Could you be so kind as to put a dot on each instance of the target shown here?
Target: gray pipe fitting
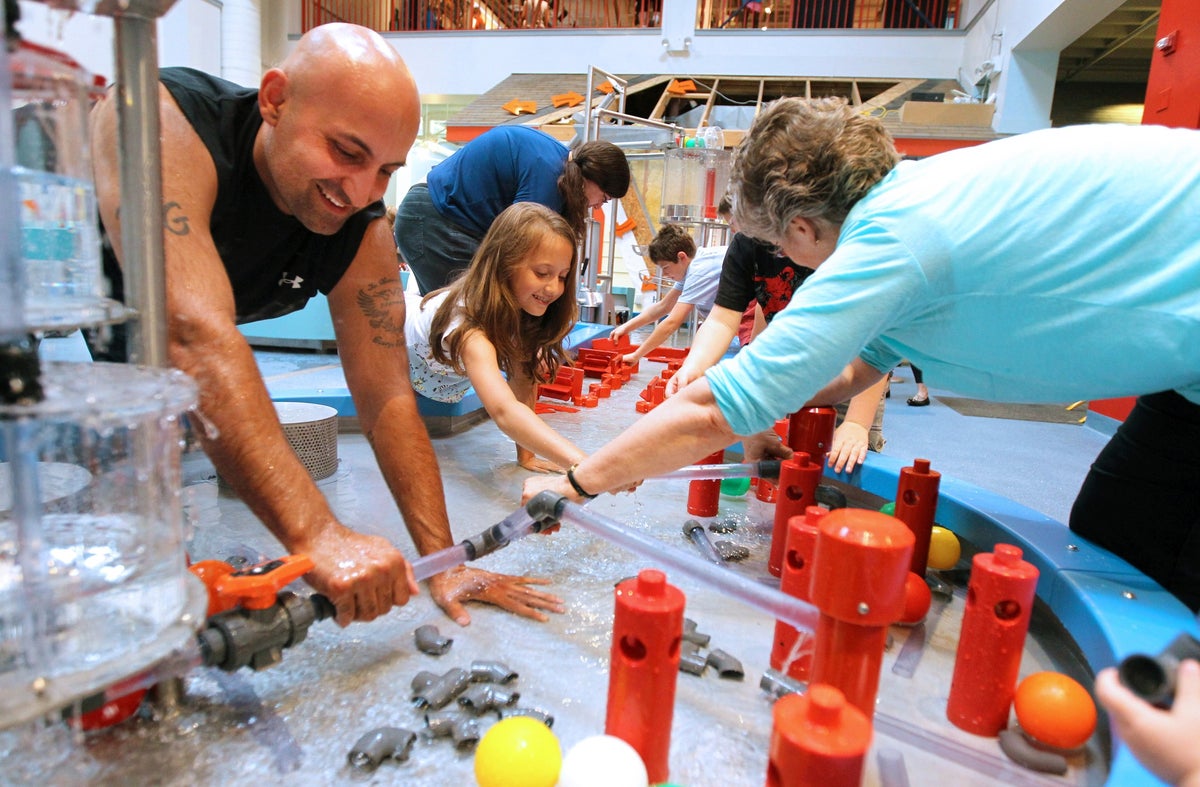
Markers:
(726, 666)
(377, 745)
(482, 697)
(491, 672)
(430, 640)
(442, 690)
(545, 717)
(690, 634)
(692, 662)
(422, 680)
(453, 724)
(777, 684)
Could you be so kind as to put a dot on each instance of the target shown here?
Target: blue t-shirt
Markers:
(500, 167)
(1056, 265)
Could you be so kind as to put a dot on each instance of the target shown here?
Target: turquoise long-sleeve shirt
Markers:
(1056, 265)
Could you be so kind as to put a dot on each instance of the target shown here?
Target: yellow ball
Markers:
(944, 549)
(518, 752)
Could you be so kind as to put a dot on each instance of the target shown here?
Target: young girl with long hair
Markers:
(500, 327)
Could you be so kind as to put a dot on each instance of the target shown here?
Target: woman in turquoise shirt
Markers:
(1052, 266)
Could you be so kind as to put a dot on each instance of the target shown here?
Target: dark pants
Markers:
(435, 249)
(1141, 499)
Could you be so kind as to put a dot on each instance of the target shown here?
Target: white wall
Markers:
(1023, 38)
(469, 63)
(473, 62)
(188, 35)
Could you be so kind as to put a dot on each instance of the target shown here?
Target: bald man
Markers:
(269, 196)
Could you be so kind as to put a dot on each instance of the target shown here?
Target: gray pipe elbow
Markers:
(422, 680)
(430, 640)
(777, 684)
(726, 665)
(482, 697)
(545, 717)
(454, 724)
(442, 690)
(377, 745)
(491, 672)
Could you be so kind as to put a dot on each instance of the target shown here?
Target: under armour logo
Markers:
(294, 282)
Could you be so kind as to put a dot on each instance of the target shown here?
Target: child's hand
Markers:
(1162, 740)
(630, 359)
(850, 446)
(538, 465)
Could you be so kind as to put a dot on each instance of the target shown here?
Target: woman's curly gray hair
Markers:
(813, 158)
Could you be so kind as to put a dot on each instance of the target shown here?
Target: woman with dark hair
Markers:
(440, 223)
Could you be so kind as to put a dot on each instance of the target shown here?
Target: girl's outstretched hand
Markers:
(452, 588)
(537, 465)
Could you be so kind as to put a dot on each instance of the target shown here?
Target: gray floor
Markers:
(297, 720)
(1040, 465)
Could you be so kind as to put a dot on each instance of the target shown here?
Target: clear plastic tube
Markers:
(764, 469)
(776, 603)
(516, 525)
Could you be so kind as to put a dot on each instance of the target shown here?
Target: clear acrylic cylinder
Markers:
(94, 584)
(694, 180)
(60, 239)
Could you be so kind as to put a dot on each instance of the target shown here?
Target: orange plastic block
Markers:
(567, 385)
(667, 354)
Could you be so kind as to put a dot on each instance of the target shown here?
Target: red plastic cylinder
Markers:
(995, 622)
(916, 504)
(647, 631)
(704, 497)
(791, 653)
(811, 430)
(798, 481)
(764, 490)
(817, 740)
(859, 569)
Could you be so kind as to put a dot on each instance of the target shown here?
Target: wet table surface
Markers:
(297, 720)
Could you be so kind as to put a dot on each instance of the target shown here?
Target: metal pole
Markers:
(141, 186)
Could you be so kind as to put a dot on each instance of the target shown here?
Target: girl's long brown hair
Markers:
(484, 298)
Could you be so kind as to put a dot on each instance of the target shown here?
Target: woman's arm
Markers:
(508, 403)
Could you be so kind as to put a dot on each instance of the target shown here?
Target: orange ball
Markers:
(1055, 710)
(917, 599)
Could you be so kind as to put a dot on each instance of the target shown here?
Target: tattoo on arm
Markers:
(382, 303)
(176, 224)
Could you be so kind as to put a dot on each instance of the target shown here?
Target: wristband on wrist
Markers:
(575, 484)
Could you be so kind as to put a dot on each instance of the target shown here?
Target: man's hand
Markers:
(364, 576)
(849, 446)
(451, 588)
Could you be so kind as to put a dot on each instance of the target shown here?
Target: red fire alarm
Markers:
(1166, 44)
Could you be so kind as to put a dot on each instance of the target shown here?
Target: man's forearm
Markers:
(409, 464)
(247, 446)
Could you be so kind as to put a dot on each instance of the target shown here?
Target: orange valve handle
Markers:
(256, 587)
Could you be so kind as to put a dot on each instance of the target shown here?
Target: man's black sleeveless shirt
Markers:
(274, 263)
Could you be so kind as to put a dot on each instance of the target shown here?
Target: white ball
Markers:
(603, 761)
